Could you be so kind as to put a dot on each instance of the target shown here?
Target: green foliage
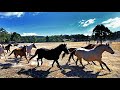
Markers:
(15, 37)
(99, 32)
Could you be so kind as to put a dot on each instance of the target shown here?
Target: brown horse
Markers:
(7, 47)
(90, 46)
(20, 51)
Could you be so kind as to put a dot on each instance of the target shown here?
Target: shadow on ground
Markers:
(13, 60)
(77, 71)
(35, 73)
(5, 66)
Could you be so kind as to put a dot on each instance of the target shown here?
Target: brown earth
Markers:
(9, 68)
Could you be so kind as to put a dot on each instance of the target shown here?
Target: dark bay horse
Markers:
(20, 51)
(90, 46)
(7, 47)
(50, 54)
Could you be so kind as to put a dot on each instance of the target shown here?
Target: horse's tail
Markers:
(12, 52)
(36, 52)
(71, 55)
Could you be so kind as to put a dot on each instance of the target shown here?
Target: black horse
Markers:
(7, 47)
(52, 54)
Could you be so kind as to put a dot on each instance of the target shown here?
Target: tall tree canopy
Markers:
(100, 32)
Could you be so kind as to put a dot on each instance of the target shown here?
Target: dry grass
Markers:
(10, 69)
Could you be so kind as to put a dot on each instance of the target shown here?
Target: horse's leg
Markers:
(37, 62)
(58, 65)
(89, 63)
(106, 66)
(93, 63)
(68, 60)
(41, 61)
(9, 50)
(76, 61)
(26, 58)
(101, 65)
(81, 62)
(53, 63)
(5, 56)
(30, 53)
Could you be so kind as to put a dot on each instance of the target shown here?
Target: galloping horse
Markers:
(94, 54)
(90, 46)
(7, 47)
(52, 54)
(20, 51)
(29, 48)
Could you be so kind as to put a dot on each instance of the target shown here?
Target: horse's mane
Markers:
(57, 47)
(99, 45)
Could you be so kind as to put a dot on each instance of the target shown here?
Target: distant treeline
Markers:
(6, 37)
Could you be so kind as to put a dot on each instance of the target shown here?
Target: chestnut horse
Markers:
(20, 51)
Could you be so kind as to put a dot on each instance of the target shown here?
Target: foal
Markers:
(50, 54)
(7, 47)
(20, 51)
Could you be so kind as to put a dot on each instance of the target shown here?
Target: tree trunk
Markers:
(100, 40)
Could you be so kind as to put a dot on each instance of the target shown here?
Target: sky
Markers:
(57, 23)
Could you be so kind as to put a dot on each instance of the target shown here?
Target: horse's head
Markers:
(109, 49)
(10, 44)
(33, 45)
(64, 48)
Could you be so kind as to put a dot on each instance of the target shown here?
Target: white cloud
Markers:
(86, 23)
(112, 22)
(8, 14)
(37, 13)
(29, 34)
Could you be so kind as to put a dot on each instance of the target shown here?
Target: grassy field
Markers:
(9, 68)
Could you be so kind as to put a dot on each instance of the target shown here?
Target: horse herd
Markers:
(89, 53)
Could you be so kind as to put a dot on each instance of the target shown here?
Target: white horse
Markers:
(94, 54)
(2, 51)
(29, 48)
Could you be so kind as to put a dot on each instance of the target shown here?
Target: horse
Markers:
(2, 51)
(29, 48)
(20, 51)
(15, 44)
(90, 46)
(7, 47)
(94, 54)
(50, 54)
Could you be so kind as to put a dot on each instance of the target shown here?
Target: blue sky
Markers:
(57, 23)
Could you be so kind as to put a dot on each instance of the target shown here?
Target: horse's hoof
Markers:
(83, 67)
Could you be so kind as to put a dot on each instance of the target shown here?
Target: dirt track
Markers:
(9, 68)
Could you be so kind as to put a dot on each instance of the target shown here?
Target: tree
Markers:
(15, 37)
(47, 39)
(4, 36)
(101, 32)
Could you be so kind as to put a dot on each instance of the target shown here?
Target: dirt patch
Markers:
(10, 68)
